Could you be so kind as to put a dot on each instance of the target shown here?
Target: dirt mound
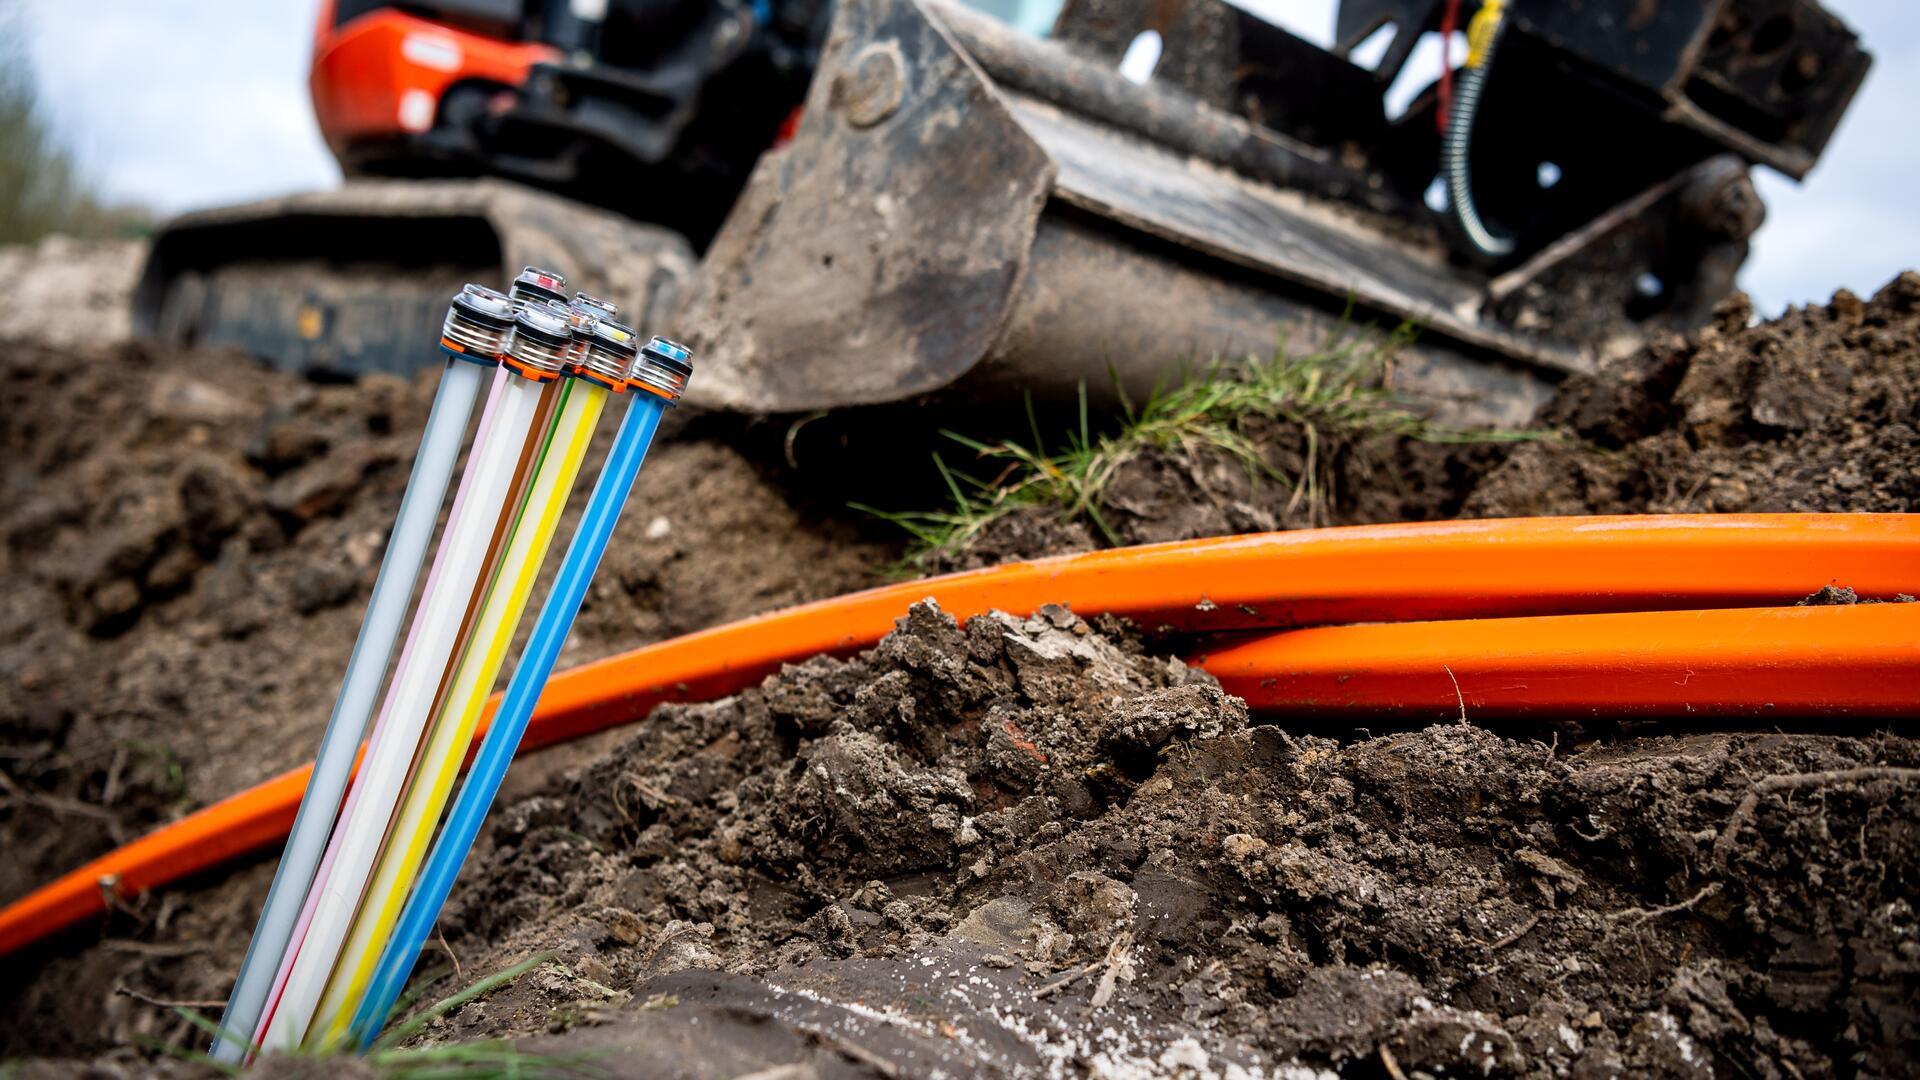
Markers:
(1031, 847)
(189, 540)
(1817, 410)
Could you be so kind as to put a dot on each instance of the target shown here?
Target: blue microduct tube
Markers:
(477, 324)
(659, 376)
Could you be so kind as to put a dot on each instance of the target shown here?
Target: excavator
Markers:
(861, 202)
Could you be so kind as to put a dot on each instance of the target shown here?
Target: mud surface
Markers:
(189, 541)
(1030, 848)
(1818, 410)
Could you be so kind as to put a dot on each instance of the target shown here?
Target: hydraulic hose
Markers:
(496, 752)
(1375, 573)
(1456, 144)
(1757, 662)
(478, 316)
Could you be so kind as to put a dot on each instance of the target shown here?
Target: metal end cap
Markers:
(489, 307)
(671, 353)
(594, 306)
(535, 285)
(478, 322)
(617, 336)
(663, 367)
(542, 334)
(610, 352)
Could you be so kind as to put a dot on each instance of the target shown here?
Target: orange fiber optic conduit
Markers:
(1785, 661)
(1465, 570)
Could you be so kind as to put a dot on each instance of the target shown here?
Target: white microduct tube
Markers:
(408, 706)
(433, 467)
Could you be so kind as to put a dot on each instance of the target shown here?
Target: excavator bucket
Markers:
(966, 210)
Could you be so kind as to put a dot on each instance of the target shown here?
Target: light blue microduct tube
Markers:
(658, 377)
(476, 323)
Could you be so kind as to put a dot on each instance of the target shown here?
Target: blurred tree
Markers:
(42, 189)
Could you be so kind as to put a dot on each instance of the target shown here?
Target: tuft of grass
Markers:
(163, 763)
(445, 1005)
(1332, 395)
(480, 1060)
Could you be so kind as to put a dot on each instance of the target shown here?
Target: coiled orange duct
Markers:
(1497, 571)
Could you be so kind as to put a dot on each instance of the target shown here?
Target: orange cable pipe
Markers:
(1770, 662)
(1371, 573)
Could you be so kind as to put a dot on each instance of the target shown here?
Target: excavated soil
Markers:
(1815, 411)
(1029, 847)
(189, 544)
(1033, 847)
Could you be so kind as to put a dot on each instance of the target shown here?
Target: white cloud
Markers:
(185, 103)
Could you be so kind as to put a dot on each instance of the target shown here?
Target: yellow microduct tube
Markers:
(453, 728)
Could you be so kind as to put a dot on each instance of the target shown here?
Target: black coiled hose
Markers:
(1454, 152)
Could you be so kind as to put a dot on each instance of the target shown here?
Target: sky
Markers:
(181, 104)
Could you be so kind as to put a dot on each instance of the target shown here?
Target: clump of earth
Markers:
(1032, 847)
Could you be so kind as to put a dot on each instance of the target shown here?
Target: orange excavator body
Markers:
(381, 75)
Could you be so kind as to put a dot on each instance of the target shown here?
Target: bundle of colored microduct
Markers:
(335, 900)
(657, 381)
(474, 336)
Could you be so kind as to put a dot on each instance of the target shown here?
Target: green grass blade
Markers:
(402, 1032)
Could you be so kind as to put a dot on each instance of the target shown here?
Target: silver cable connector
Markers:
(541, 341)
(479, 321)
(662, 367)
